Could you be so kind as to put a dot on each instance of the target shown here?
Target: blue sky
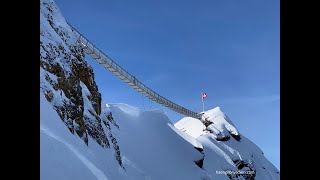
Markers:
(228, 49)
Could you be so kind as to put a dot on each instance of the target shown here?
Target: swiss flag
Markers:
(204, 95)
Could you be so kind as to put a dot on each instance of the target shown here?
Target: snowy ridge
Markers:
(151, 148)
(148, 140)
(191, 126)
(187, 137)
(233, 153)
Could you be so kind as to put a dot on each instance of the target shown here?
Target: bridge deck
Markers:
(122, 74)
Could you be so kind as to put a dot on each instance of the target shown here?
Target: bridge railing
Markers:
(125, 76)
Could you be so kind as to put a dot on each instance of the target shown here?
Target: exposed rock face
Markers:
(199, 163)
(67, 80)
(106, 118)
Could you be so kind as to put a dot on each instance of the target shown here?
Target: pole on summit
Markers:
(203, 96)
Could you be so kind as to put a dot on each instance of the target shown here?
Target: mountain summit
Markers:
(236, 155)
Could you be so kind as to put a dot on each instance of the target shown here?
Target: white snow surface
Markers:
(220, 154)
(151, 148)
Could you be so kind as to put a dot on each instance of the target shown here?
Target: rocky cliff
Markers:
(67, 81)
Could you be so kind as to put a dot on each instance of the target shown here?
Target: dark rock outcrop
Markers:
(106, 118)
(199, 149)
(67, 80)
(235, 136)
(223, 138)
(199, 162)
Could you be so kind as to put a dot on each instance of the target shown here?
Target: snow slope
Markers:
(150, 149)
(224, 155)
(65, 156)
(147, 138)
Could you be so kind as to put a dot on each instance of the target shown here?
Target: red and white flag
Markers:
(204, 95)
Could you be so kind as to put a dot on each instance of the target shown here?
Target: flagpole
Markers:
(202, 102)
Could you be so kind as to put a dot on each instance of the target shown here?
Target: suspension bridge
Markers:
(129, 79)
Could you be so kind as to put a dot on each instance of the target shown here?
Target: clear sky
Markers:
(229, 49)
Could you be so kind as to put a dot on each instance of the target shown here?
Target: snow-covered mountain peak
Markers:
(222, 143)
(221, 124)
(213, 121)
(138, 115)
